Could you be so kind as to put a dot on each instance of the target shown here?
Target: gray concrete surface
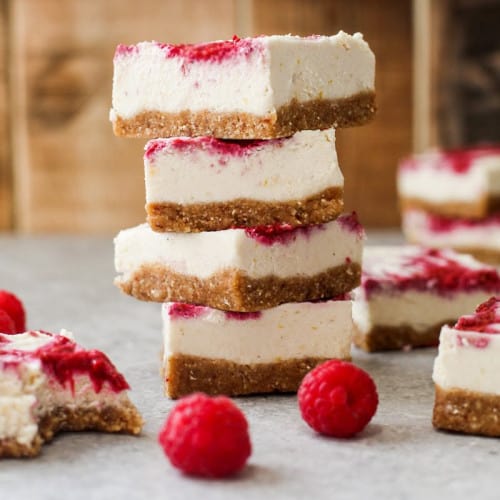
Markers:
(67, 283)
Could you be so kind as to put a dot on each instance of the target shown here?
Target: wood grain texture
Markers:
(422, 74)
(5, 165)
(434, 41)
(367, 155)
(72, 174)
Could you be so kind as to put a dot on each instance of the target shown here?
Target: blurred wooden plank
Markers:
(431, 29)
(243, 17)
(422, 76)
(368, 155)
(5, 165)
(72, 174)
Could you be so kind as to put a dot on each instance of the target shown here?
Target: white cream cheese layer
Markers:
(441, 186)
(18, 400)
(19, 386)
(428, 180)
(280, 69)
(420, 310)
(16, 418)
(379, 301)
(319, 67)
(310, 252)
(289, 331)
(278, 170)
(418, 229)
(461, 364)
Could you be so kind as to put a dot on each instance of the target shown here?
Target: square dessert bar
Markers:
(207, 184)
(478, 237)
(251, 88)
(459, 183)
(48, 384)
(467, 373)
(241, 269)
(407, 293)
(222, 352)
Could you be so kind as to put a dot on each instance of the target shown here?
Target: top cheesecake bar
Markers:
(457, 183)
(249, 88)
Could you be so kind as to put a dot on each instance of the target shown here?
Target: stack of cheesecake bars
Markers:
(245, 243)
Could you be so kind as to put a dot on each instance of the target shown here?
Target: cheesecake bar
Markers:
(250, 88)
(407, 293)
(223, 352)
(48, 384)
(460, 183)
(467, 373)
(241, 269)
(206, 184)
(478, 237)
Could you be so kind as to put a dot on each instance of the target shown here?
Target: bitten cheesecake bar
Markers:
(241, 269)
(460, 183)
(467, 373)
(251, 88)
(222, 352)
(48, 384)
(478, 237)
(207, 184)
(408, 293)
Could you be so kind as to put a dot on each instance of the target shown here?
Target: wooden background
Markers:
(61, 168)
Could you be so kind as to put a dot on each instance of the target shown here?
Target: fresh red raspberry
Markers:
(206, 436)
(337, 399)
(6, 323)
(14, 308)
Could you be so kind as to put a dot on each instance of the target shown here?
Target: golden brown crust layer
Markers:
(312, 115)
(465, 411)
(231, 290)
(10, 448)
(480, 208)
(196, 217)
(473, 210)
(386, 338)
(187, 374)
(123, 418)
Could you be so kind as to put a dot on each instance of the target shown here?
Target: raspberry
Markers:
(206, 436)
(6, 323)
(337, 399)
(14, 308)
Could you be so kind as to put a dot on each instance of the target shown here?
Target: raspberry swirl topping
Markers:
(211, 52)
(458, 161)
(210, 145)
(486, 318)
(63, 359)
(427, 270)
